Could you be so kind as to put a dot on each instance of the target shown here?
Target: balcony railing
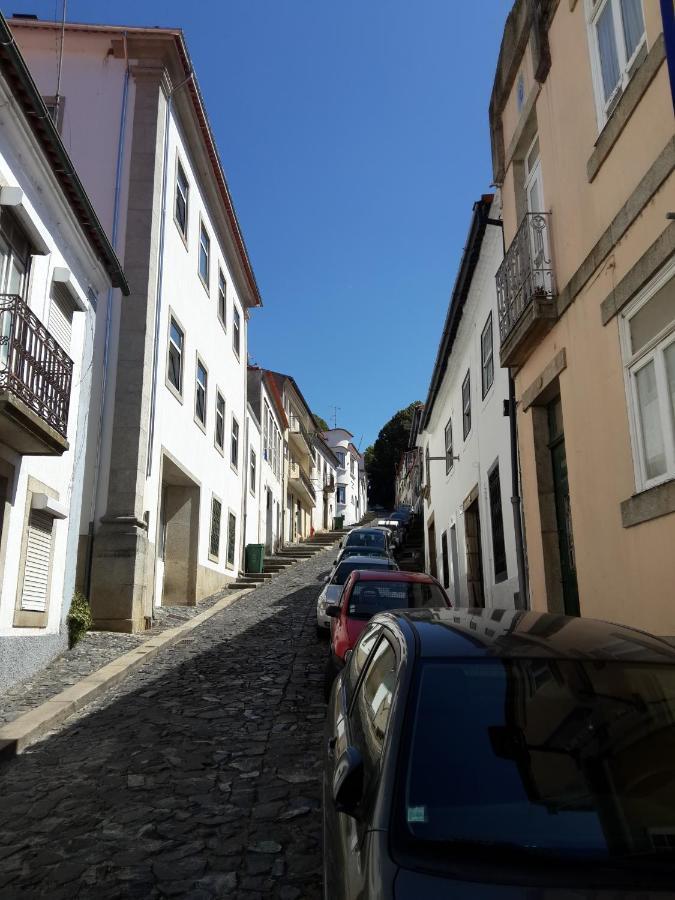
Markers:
(297, 474)
(33, 367)
(296, 426)
(329, 485)
(526, 277)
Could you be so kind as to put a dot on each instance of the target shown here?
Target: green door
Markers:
(568, 569)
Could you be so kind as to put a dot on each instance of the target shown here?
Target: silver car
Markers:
(335, 582)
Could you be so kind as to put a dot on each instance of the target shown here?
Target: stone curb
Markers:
(28, 728)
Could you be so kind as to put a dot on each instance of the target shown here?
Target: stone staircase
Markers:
(410, 555)
(287, 556)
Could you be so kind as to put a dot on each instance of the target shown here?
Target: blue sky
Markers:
(354, 135)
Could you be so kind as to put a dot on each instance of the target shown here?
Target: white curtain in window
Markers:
(609, 59)
(650, 421)
(633, 24)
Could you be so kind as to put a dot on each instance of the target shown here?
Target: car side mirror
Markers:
(332, 611)
(348, 782)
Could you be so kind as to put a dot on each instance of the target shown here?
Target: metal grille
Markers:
(497, 522)
(33, 366)
(214, 539)
(526, 272)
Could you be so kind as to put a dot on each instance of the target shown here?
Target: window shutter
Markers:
(36, 569)
(61, 317)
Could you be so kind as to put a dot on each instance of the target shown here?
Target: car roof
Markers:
(522, 634)
(379, 560)
(415, 577)
(363, 530)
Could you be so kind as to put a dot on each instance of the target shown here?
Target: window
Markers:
(174, 372)
(370, 714)
(204, 255)
(266, 431)
(427, 467)
(466, 405)
(449, 455)
(253, 468)
(497, 522)
(200, 393)
(222, 298)
(486, 357)
(214, 535)
(231, 535)
(617, 33)
(220, 421)
(445, 559)
(341, 494)
(341, 458)
(37, 562)
(649, 352)
(180, 212)
(235, 330)
(361, 653)
(234, 446)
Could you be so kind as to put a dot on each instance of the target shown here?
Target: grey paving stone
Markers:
(146, 793)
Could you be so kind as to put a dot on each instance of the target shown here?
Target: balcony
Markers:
(299, 436)
(35, 381)
(526, 292)
(329, 486)
(301, 483)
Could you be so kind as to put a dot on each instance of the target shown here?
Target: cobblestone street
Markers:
(198, 776)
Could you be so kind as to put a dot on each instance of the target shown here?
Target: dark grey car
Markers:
(497, 754)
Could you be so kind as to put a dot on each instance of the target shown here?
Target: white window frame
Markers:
(488, 360)
(234, 435)
(594, 9)
(176, 391)
(253, 469)
(200, 362)
(203, 230)
(222, 293)
(632, 364)
(219, 417)
(236, 331)
(449, 448)
(180, 170)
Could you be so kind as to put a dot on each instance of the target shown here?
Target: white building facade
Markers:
(162, 520)
(350, 493)
(56, 268)
(464, 437)
(267, 406)
(325, 480)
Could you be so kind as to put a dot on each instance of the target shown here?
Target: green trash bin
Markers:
(255, 558)
(338, 523)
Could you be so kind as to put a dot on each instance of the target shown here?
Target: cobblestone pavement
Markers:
(198, 776)
(95, 650)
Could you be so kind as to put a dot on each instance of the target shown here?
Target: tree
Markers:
(323, 425)
(382, 457)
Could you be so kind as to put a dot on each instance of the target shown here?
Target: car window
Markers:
(366, 539)
(372, 704)
(361, 651)
(345, 569)
(370, 597)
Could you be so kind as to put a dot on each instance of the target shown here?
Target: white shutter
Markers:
(36, 569)
(61, 317)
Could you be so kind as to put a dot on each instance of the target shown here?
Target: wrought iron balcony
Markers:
(302, 481)
(329, 486)
(35, 381)
(526, 290)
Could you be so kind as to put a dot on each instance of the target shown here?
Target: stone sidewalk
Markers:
(197, 776)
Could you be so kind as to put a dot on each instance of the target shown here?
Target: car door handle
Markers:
(331, 745)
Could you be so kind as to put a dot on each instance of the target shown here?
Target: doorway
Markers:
(445, 559)
(177, 538)
(474, 552)
(431, 534)
(269, 522)
(563, 514)
(455, 564)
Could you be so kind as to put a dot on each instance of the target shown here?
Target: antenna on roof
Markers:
(335, 412)
(57, 98)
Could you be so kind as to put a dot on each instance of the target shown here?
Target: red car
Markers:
(367, 593)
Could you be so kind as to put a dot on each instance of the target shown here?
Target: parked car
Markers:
(367, 537)
(378, 552)
(394, 527)
(500, 754)
(367, 593)
(335, 582)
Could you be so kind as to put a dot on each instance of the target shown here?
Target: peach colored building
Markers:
(583, 144)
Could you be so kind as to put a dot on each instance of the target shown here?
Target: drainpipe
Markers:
(668, 18)
(160, 271)
(244, 497)
(516, 500)
(89, 556)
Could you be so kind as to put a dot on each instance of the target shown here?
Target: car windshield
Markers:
(345, 569)
(370, 597)
(365, 551)
(365, 539)
(566, 758)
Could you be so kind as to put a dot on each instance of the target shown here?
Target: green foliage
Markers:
(323, 425)
(382, 457)
(79, 618)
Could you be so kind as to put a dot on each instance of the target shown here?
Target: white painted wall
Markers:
(340, 441)
(325, 502)
(22, 166)
(176, 430)
(486, 444)
(254, 495)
